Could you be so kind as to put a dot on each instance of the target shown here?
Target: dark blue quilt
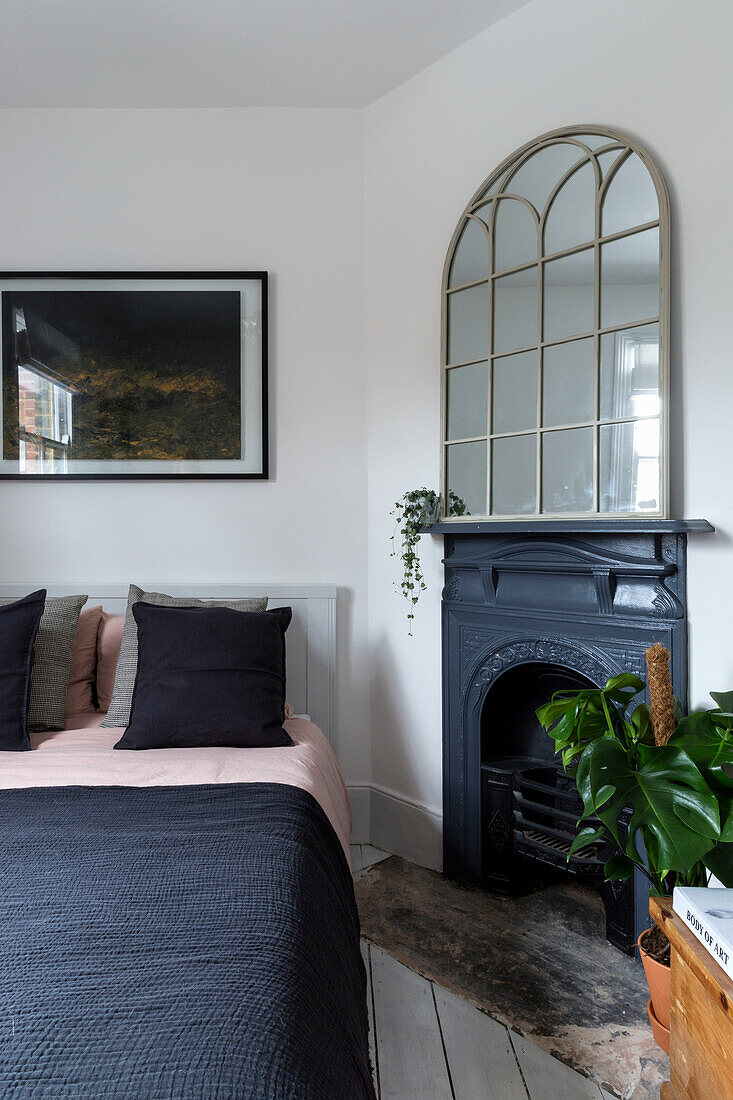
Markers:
(195, 942)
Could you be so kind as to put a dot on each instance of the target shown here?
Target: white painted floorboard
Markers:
(478, 1051)
(412, 1064)
(547, 1078)
(428, 1044)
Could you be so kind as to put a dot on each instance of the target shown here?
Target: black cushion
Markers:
(208, 676)
(18, 628)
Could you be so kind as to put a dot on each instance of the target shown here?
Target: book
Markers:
(708, 913)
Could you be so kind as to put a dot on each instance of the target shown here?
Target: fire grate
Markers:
(546, 808)
(562, 846)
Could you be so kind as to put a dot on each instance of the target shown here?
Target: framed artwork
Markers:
(134, 375)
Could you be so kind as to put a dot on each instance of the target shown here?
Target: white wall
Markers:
(277, 190)
(658, 69)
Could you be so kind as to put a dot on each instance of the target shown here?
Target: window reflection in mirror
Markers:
(629, 461)
(630, 373)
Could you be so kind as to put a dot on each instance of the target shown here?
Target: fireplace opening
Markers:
(509, 726)
(530, 807)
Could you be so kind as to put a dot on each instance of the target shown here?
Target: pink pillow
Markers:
(79, 693)
(108, 652)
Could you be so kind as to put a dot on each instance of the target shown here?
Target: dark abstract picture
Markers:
(130, 375)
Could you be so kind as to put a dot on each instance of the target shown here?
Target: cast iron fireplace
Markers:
(527, 610)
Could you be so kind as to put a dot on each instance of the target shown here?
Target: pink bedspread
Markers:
(83, 755)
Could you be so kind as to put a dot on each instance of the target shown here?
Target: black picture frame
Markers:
(70, 280)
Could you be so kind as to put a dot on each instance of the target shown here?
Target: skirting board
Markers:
(395, 824)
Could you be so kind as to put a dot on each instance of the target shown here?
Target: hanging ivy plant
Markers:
(414, 511)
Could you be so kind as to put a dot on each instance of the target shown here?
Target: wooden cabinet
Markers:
(701, 1026)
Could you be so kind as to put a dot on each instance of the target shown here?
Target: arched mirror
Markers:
(556, 335)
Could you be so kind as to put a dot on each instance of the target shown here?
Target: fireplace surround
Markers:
(529, 608)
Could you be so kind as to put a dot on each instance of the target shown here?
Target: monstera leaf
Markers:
(573, 723)
(709, 744)
(720, 861)
(672, 806)
(623, 688)
(575, 719)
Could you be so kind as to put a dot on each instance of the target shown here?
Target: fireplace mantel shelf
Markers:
(572, 526)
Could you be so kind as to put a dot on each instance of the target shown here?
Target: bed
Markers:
(180, 922)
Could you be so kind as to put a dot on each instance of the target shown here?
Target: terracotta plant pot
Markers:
(661, 1034)
(658, 979)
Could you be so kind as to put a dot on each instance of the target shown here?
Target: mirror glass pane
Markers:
(567, 471)
(630, 372)
(471, 258)
(468, 324)
(631, 198)
(514, 475)
(515, 235)
(629, 466)
(539, 174)
(468, 400)
(630, 278)
(467, 475)
(515, 310)
(515, 392)
(567, 383)
(572, 216)
(569, 295)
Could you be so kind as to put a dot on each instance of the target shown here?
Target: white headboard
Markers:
(311, 636)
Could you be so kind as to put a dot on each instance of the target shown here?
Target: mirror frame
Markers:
(514, 161)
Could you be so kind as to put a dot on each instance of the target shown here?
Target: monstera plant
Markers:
(657, 790)
(679, 789)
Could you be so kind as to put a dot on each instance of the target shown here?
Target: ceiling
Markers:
(226, 53)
